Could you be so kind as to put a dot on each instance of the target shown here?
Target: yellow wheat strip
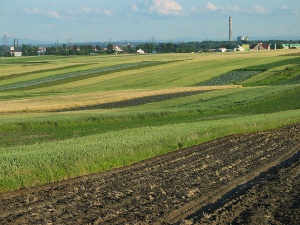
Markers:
(100, 97)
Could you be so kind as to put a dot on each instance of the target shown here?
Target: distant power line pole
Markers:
(69, 41)
(151, 43)
(5, 39)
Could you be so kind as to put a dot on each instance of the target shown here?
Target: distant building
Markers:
(288, 46)
(239, 48)
(117, 49)
(240, 38)
(259, 46)
(246, 47)
(140, 51)
(221, 50)
(295, 46)
(14, 52)
(42, 51)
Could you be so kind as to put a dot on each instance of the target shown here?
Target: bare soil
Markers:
(240, 179)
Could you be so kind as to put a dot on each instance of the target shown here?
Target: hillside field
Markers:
(64, 117)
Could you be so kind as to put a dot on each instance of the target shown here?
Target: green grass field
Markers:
(62, 117)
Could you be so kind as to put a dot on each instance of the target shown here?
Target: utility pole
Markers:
(5, 41)
(69, 40)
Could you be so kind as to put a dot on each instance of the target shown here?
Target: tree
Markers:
(279, 46)
(110, 49)
(24, 50)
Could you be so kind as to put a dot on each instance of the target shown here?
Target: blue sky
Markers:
(167, 20)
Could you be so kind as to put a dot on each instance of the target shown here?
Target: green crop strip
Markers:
(290, 75)
(223, 105)
(41, 71)
(40, 163)
(70, 77)
(268, 66)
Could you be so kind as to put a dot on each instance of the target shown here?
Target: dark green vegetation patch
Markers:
(232, 77)
(291, 75)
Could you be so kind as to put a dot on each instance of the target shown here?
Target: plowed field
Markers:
(240, 179)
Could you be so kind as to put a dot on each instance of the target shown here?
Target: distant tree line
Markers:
(203, 46)
(185, 47)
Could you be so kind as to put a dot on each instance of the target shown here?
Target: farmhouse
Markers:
(141, 51)
(42, 51)
(221, 50)
(260, 46)
(117, 49)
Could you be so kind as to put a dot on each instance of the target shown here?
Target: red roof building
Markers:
(260, 46)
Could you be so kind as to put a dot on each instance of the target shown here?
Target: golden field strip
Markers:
(70, 101)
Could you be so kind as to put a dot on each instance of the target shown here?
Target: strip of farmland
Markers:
(163, 190)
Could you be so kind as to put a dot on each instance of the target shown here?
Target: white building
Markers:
(240, 38)
(239, 48)
(42, 51)
(140, 51)
(221, 50)
(14, 52)
(17, 53)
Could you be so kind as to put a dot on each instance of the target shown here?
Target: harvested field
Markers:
(236, 179)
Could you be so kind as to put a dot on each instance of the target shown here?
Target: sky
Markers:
(139, 20)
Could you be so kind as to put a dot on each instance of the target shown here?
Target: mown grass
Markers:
(38, 147)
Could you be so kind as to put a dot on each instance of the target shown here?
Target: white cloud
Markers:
(53, 14)
(84, 9)
(258, 9)
(211, 6)
(35, 11)
(284, 7)
(167, 7)
(134, 7)
(108, 12)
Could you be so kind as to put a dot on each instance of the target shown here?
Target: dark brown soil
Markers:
(240, 179)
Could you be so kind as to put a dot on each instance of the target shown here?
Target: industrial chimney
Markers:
(230, 29)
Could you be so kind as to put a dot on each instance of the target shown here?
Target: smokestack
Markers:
(230, 28)
(17, 42)
(14, 43)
